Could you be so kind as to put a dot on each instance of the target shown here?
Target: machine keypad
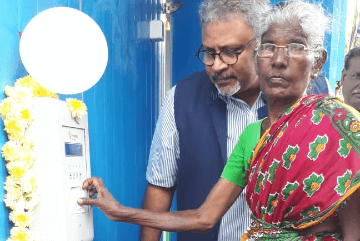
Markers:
(74, 172)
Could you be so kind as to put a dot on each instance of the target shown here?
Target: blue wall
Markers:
(122, 110)
(122, 107)
(187, 39)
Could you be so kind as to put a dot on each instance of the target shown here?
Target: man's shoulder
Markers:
(195, 84)
(194, 91)
(198, 77)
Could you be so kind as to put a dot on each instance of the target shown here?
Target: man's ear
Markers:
(319, 64)
(343, 74)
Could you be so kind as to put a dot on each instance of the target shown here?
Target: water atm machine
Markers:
(62, 163)
(61, 143)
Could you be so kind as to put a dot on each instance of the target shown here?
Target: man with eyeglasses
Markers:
(203, 117)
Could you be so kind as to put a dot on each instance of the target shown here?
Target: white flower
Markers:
(26, 116)
(10, 202)
(10, 108)
(20, 217)
(20, 234)
(28, 182)
(9, 91)
(27, 144)
(16, 169)
(35, 199)
(20, 206)
(10, 151)
(77, 108)
(28, 158)
(13, 191)
(11, 183)
(19, 93)
(15, 128)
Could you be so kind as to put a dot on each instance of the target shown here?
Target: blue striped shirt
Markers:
(165, 152)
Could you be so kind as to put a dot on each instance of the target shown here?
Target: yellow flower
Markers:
(355, 126)
(10, 151)
(16, 169)
(314, 186)
(54, 95)
(319, 147)
(77, 107)
(292, 157)
(14, 128)
(20, 218)
(41, 91)
(347, 183)
(26, 81)
(20, 234)
(19, 93)
(9, 108)
(26, 117)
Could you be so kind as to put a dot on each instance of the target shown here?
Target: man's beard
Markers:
(215, 77)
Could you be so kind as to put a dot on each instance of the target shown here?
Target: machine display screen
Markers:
(73, 149)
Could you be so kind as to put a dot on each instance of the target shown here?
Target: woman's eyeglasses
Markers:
(293, 50)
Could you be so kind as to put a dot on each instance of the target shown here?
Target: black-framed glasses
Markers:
(292, 50)
(227, 56)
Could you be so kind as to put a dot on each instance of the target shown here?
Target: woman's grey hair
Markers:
(223, 10)
(311, 17)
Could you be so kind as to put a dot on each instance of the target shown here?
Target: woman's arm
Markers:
(203, 219)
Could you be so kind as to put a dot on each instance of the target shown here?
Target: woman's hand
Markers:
(203, 219)
(104, 200)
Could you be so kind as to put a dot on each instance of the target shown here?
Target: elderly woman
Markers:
(306, 165)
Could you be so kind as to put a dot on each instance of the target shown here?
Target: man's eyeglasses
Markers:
(293, 50)
(227, 56)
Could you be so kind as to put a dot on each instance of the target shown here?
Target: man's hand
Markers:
(104, 200)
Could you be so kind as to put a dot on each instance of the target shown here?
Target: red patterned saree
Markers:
(303, 169)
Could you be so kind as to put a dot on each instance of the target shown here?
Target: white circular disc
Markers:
(64, 50)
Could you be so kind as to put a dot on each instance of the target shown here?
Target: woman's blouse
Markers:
(236, 166)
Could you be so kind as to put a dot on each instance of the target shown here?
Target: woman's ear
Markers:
(319, 64)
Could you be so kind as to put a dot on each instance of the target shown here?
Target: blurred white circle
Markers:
(64, 50)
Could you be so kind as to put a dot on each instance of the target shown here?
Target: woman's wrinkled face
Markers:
(283, 77)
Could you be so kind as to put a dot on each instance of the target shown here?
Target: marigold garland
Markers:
(21, 195)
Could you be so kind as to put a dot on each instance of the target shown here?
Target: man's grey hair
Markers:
(212, 11)
(311, 17)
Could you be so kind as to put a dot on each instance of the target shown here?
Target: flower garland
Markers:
(16, 112)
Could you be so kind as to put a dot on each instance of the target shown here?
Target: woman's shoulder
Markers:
(255, 126)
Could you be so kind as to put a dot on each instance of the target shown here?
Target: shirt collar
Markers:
(226, 98)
